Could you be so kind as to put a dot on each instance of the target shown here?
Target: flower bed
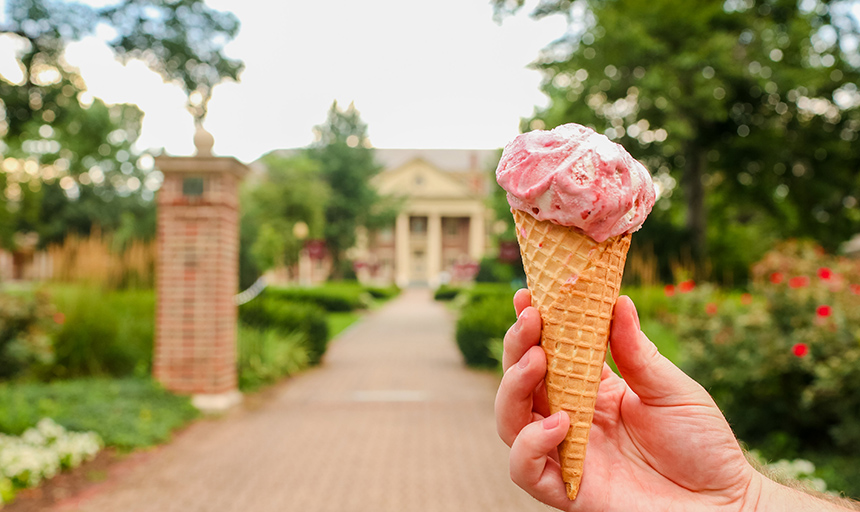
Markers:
(783, 359)
(40, 453)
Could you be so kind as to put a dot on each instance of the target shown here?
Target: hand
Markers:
(658, 441)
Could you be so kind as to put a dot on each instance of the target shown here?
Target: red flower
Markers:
(825, 273)
(823, 311)
(59, 318)
(776, 278)
(711, 308)
(686, 286)
(669, 290)
(798, 282)
(746, 299)
(855, 289)
(800, 349)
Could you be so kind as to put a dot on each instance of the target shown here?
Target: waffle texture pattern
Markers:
(574, 283)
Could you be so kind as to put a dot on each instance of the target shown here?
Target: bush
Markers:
(447, 292)
(331, 297)
(493, 270)
(103, 333)
(266, 356)
(126, 413)
(26, 324)
(270, 312)
(383, 292)
(783, 361)
(482, 321)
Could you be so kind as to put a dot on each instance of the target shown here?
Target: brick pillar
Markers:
(197, 277)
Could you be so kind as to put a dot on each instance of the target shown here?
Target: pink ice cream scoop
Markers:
(574, 176)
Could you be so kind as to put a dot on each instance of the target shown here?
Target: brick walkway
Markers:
(392, 421)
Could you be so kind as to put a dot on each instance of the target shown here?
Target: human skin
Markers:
(658, 441)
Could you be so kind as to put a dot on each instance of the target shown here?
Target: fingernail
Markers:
(552, 421)
(524, 361)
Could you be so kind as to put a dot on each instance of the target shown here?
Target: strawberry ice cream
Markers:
(576, 177)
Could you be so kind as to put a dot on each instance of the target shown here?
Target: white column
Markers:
(401, 250)
(434, 249)
(477, 236)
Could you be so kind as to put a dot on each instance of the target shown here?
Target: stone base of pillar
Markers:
(216, 403)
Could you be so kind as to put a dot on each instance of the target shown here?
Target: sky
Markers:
(439, 74)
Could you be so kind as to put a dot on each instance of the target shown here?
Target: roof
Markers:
(449, 160)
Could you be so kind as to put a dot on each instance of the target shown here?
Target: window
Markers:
(418, 224)
(451, 226)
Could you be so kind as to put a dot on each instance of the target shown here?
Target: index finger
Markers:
(522, 300)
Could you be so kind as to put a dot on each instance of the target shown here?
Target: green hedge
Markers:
(447, 292)
(383, 292)
(486, 315)
(126, 413)
(331, 297)
(271, 312)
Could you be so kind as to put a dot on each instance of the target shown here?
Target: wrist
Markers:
(769, 496)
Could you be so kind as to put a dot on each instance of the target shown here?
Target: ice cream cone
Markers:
(574, 283)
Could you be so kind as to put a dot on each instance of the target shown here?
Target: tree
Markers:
(291, 191)
(751, 105)
(68, 158)
(347, 164)
(182, 40)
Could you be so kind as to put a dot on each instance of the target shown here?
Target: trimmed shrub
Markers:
(492, 270)
(270, 312)
(447, 292)
(482, 321)
(331, 297)
(383, 292)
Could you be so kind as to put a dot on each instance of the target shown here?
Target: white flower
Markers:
(41, 452)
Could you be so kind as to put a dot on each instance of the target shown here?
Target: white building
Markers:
(442, 230)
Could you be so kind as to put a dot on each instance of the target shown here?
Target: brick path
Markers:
(392, 421)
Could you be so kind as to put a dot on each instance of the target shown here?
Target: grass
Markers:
(339, 322)
(126, 413)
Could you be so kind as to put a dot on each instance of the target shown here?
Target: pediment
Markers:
(419, 178)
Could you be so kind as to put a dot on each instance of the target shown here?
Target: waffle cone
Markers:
(574, 283)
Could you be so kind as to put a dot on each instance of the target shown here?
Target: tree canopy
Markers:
(750, 106)
(347, 163)
(68, 159)
(292, 191)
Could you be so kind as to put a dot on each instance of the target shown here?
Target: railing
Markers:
(252, 292)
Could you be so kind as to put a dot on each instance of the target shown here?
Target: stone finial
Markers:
(203, 141)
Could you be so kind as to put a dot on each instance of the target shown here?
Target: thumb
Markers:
(654, 379)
